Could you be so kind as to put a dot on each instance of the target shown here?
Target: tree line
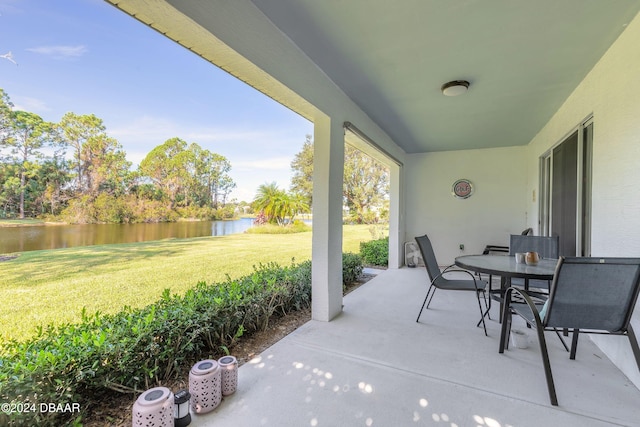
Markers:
(365, 190)
(74, 171)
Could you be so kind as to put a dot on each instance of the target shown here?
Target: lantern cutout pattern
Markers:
(205, 387)
(154, 408)
(229, 368)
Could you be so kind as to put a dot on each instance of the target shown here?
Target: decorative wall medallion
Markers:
(462, 189)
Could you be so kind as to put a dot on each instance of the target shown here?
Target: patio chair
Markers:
(588, 295)
(546, 246)
(498, 249)
(438, 281)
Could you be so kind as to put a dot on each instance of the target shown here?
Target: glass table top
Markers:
(506, 266)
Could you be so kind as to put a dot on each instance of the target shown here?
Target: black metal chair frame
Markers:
(478, 285)
(546, 246)
(529, 311)
(505, 249)
(498, 249)
(495, 248)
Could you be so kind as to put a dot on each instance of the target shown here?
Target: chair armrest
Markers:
(527, 299)
(495, 248)
(455, 269)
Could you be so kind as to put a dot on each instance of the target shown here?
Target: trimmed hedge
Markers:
(135, 350)
(351, 267)
(375, 252)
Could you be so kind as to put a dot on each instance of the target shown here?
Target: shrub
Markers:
(351, 267)
(149, 211)
(226, 212)
(378, 231)
(375, 252)
(79, 211)
(260, 219)
(370, 217)
(296, 227)
(110, 209)
(134, 350)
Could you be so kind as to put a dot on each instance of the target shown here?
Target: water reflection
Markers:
(22, 239)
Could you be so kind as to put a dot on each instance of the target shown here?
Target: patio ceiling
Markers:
(523, 58)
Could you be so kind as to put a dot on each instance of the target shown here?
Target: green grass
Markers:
(18, 222)
(297, 227)
(53, 286)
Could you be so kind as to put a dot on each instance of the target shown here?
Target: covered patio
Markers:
(375, 366)
(370, 73)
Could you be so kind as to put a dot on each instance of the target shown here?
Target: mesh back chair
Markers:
(438, 281)
(499, 250)
(491, 249)
(547, 247)
(588, 295)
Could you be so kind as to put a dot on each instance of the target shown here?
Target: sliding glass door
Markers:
(565, 182)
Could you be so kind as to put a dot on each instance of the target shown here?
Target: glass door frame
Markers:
(583, 181)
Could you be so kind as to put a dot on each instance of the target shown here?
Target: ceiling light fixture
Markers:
(455, 88)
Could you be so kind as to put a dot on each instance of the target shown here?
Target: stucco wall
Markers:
(495, 210)
(611, 91)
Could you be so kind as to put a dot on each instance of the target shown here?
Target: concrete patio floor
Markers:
(375, 366)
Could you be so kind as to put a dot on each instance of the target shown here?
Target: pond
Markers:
(32, 238)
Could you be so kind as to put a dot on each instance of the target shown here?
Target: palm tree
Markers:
(277, 204)
(297, 204)
(267, 200)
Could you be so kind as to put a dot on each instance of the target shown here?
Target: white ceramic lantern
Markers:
(153, 408)
(205, 387)
(229, 368)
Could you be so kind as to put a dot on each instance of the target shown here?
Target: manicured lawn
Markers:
(53, 286)
(19, 222)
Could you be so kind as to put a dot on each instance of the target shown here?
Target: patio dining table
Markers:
(506, 268)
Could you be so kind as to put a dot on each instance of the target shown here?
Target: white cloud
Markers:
(251, 154)
(145, 128)
(60, 52)
(135, 157)
(276, 163)
(146, 132)
(160, 129)
(218, 135)
(34, 105)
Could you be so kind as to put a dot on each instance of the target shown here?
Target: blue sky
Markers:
(88, 57)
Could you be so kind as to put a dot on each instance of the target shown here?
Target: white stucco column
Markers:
(396, 217)
(328, 171)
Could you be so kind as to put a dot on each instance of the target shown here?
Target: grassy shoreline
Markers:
(27, 222)
(53, 286)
